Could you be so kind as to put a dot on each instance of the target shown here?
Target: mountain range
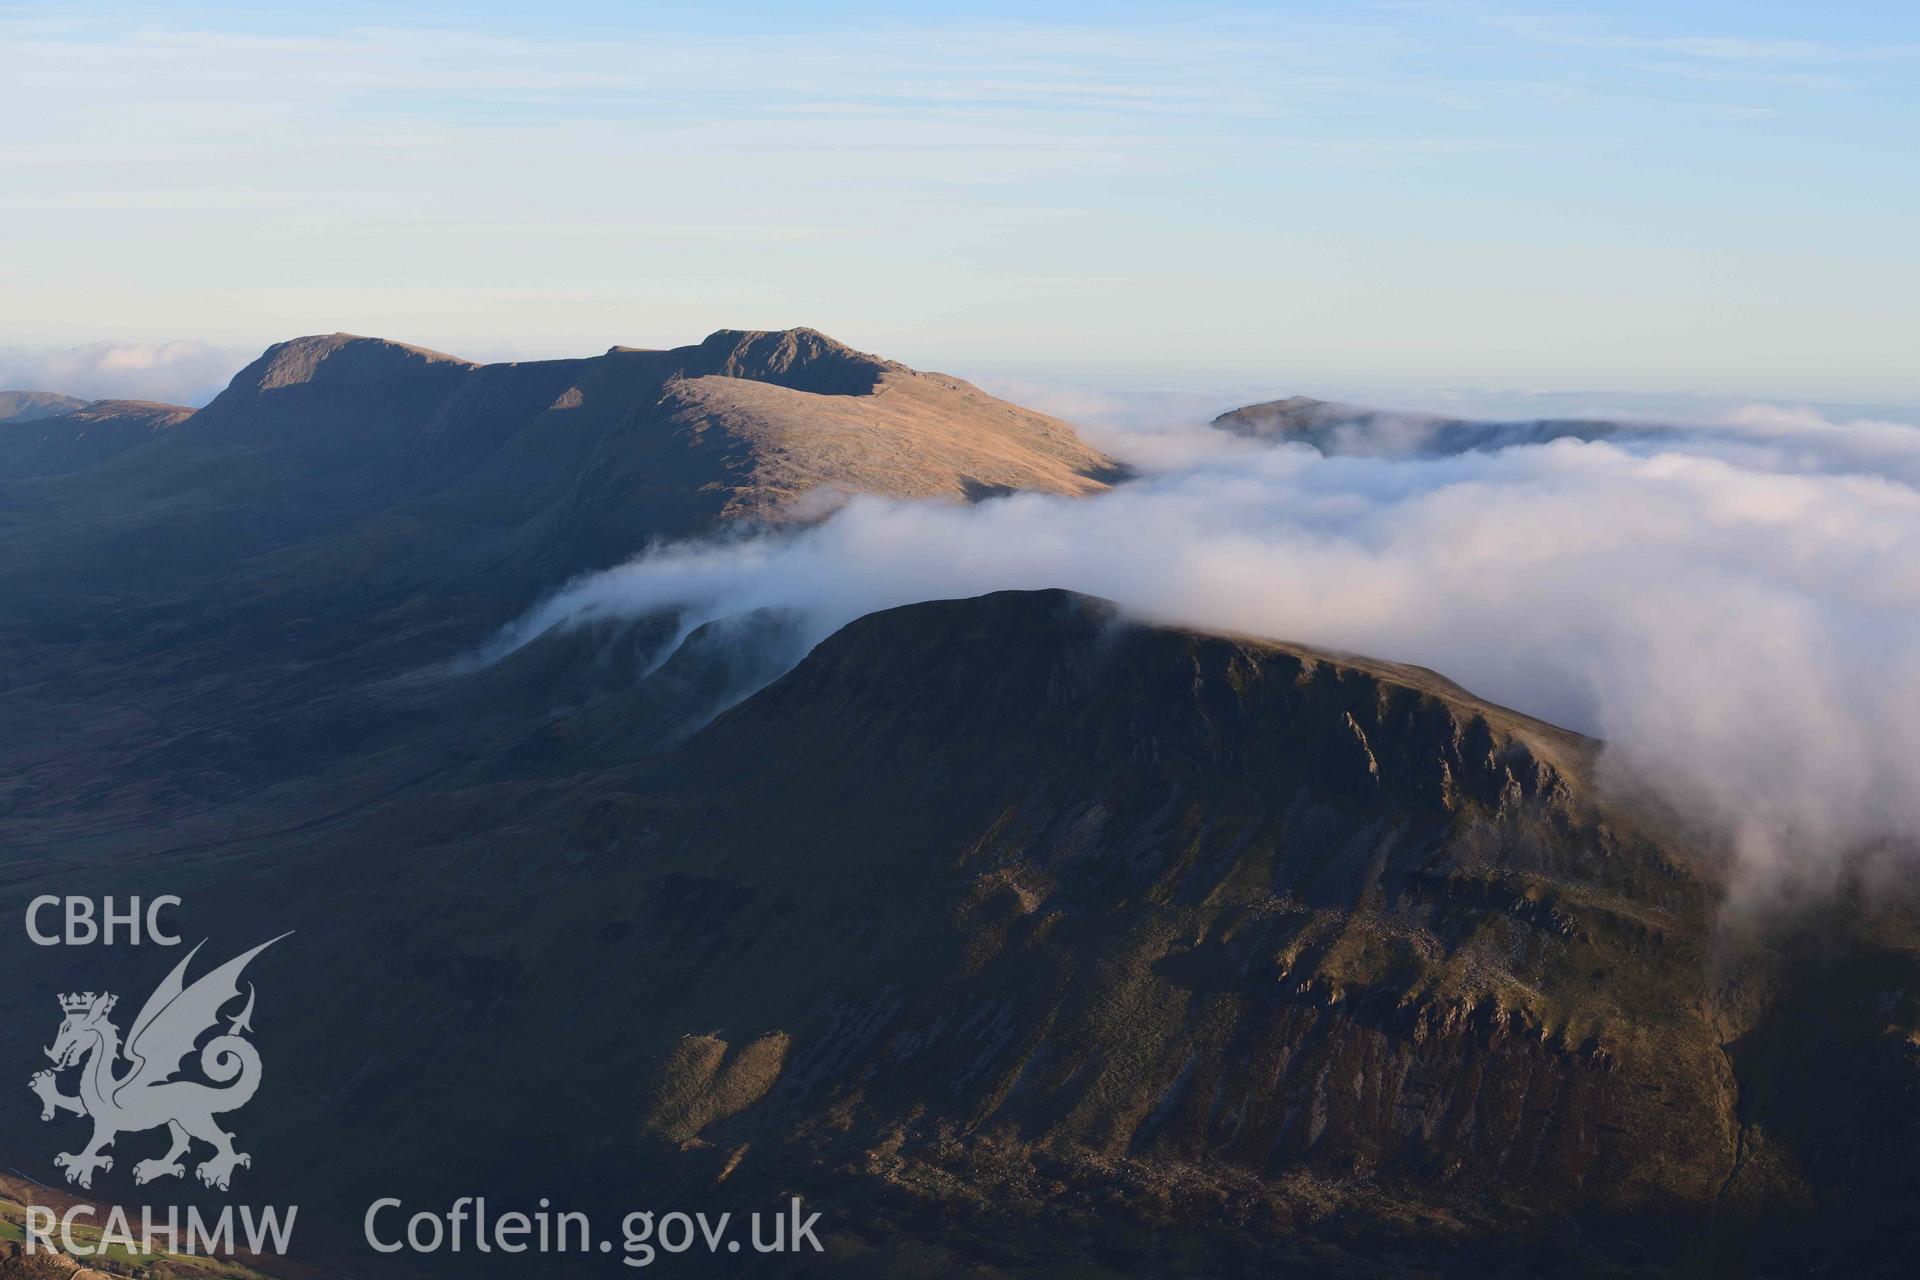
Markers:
(1019, 935)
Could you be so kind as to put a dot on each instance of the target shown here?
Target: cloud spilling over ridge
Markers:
(180, 372)
(1735, 608)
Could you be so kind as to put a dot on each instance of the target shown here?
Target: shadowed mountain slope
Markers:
(210, 607)
(348, 458)
(1014, 934)
(80, 434)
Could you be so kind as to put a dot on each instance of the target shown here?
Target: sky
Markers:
(1398, 202)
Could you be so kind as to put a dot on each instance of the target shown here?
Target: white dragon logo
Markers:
(147, 1095)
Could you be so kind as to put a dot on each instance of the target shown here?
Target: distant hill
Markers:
(350, 509)
(339, 459)
(508, 477)
(755, 419)
(1335, 428)
(80, 435)
(25, 406)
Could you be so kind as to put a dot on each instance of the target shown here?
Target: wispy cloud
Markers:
(1596, 32)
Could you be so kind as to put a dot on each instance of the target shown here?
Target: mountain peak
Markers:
(1002, 622)
(336, 355)
(1292, 417)
(801, 359)
(578, 463)
(337, 386)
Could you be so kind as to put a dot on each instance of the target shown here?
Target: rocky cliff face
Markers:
(1016, 934)
(1000, 922)
(1237, 906)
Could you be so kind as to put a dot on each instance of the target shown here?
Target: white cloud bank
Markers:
(1736, 609)
(181, 372)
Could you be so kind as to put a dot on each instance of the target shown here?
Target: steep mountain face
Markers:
(1219, 899)
(1334, 428)
(1014, 934)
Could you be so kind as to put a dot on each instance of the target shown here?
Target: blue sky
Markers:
(1366, 199)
